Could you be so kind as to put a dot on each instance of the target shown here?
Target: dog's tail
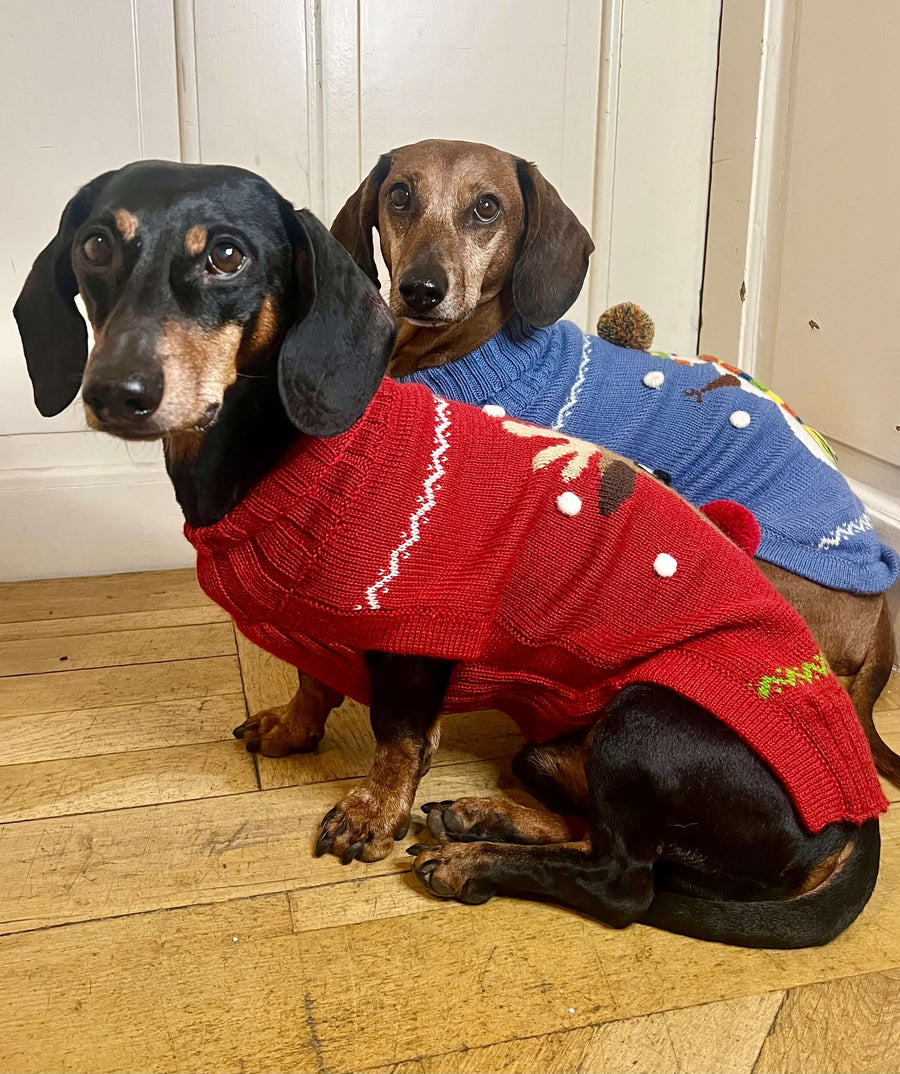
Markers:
(805, 921)
(870, 680)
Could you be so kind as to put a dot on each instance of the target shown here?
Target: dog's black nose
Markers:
(422, 291)
(131, 398)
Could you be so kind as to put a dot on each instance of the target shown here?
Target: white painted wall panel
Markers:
(666, 98)
(86, 87)
(518, 74)
(309, 94)
(251, 84)
(72, 108)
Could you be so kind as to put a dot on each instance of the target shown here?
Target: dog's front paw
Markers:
(455, 871)
(471, 820)
(362, 825)
(276, 732)
(498, 820)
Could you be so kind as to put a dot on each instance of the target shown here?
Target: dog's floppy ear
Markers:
(334, 355)
(53, 333)
(353, 225)
(553, 260)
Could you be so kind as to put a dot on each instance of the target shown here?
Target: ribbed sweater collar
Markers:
(513, 359)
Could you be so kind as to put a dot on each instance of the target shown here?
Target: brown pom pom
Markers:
(627, 325)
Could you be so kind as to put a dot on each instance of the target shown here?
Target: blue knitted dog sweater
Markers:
(717, 432)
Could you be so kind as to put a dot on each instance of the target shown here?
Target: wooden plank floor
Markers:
(161, 910)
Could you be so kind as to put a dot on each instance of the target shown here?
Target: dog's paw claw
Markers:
(424, 871)
(280, 731)
(352, 852)
(455, 871)
(357, 828)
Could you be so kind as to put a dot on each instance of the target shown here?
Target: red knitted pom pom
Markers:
(736, 522)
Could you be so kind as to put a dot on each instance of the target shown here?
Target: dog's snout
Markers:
(423, 288)
(126, 399)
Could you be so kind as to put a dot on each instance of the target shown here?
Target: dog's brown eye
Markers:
(97, 250)
(225, 259)
(487, 209)
(399, 196)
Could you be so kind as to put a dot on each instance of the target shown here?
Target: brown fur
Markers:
(825, 870)
(562, 764)
(497, 819)
(447, 870)
(266, 328)
(195, 240)
(297, 726)
(447, 178)
(377, 810)
(127, 224)
(199, 365)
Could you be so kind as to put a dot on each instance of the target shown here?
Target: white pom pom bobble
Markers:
(567, 503)
(665, 565)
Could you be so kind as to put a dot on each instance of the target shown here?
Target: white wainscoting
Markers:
(614, 102)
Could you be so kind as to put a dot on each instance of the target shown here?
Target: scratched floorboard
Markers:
(160, 909)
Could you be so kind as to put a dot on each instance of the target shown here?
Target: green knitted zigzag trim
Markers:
(816, 668)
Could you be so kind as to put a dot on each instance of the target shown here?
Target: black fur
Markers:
(689, 831)
(53, 333)
(335, 354)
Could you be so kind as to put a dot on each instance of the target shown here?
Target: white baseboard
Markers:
(63, 522)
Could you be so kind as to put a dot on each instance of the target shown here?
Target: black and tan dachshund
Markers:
(227, 325)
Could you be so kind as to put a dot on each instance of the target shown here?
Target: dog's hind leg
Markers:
(612, 887)
(866, 687)
(554, 772)
(688, 830)
(596, 871)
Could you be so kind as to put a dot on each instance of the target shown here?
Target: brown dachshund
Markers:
(472, 235)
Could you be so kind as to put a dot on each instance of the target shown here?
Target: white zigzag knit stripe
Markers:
(843, 533)
(426, 502)
(576, 387)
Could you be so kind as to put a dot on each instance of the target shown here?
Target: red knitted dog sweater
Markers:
(549, 569)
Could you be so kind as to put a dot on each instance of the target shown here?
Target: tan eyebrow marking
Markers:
(195, 240)
(266, 326)
(127, 223)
